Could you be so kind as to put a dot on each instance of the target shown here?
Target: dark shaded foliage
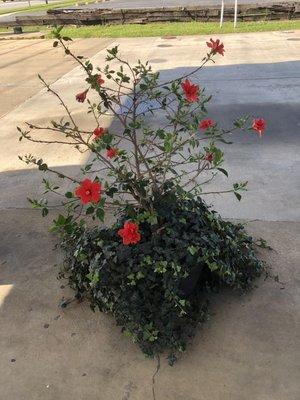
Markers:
(156, 289)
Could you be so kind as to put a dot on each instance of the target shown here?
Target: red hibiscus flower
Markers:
(191, 91)
(98, 132)
(206, 123)
(209, 157)
(100, 81)
(88, 191)
(216, 47)
(130, 233)
(112, 152)
(80, 97)
(259, 125)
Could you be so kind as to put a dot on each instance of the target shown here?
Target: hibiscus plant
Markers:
(150, 267)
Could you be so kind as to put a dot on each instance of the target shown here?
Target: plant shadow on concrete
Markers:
(152, 267)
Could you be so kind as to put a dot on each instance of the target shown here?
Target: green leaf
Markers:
(100, 214)
(90, 210)
(93, 277)
(223, 171)
(238, 196)
(167, 145)
(192, 249)
(212, 266)
(60, 220)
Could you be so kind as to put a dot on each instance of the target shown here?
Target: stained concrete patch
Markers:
(249, 350)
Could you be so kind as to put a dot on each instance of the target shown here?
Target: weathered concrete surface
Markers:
(21, 61)
(249, 350)
(259, 75)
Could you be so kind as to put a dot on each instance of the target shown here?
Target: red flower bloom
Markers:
(206, 123)
(100, 81)
(259, 125)
(98, 132)
(191, 91)
(88, 191)
(112, 152)
(130, 233)
(80, 97)
(216, 47)
(209, 157)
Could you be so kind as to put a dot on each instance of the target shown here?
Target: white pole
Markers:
(222, 14)
(235, 13)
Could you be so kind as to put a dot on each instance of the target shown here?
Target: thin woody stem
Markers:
(60, 99)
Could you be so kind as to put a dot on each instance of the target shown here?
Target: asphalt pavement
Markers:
(127, 4)
(17, 4)
(167, 3)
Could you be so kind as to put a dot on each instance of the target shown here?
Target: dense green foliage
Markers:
(156, 288)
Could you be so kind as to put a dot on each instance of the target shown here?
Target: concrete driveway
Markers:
(18, 4)
(250, 349)
(22, 60)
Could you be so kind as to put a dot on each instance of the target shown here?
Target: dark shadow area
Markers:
(21, 184)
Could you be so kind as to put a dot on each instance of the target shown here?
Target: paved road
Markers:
(140, 4)
(18, 4)
(11, 5)
(165, 3)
